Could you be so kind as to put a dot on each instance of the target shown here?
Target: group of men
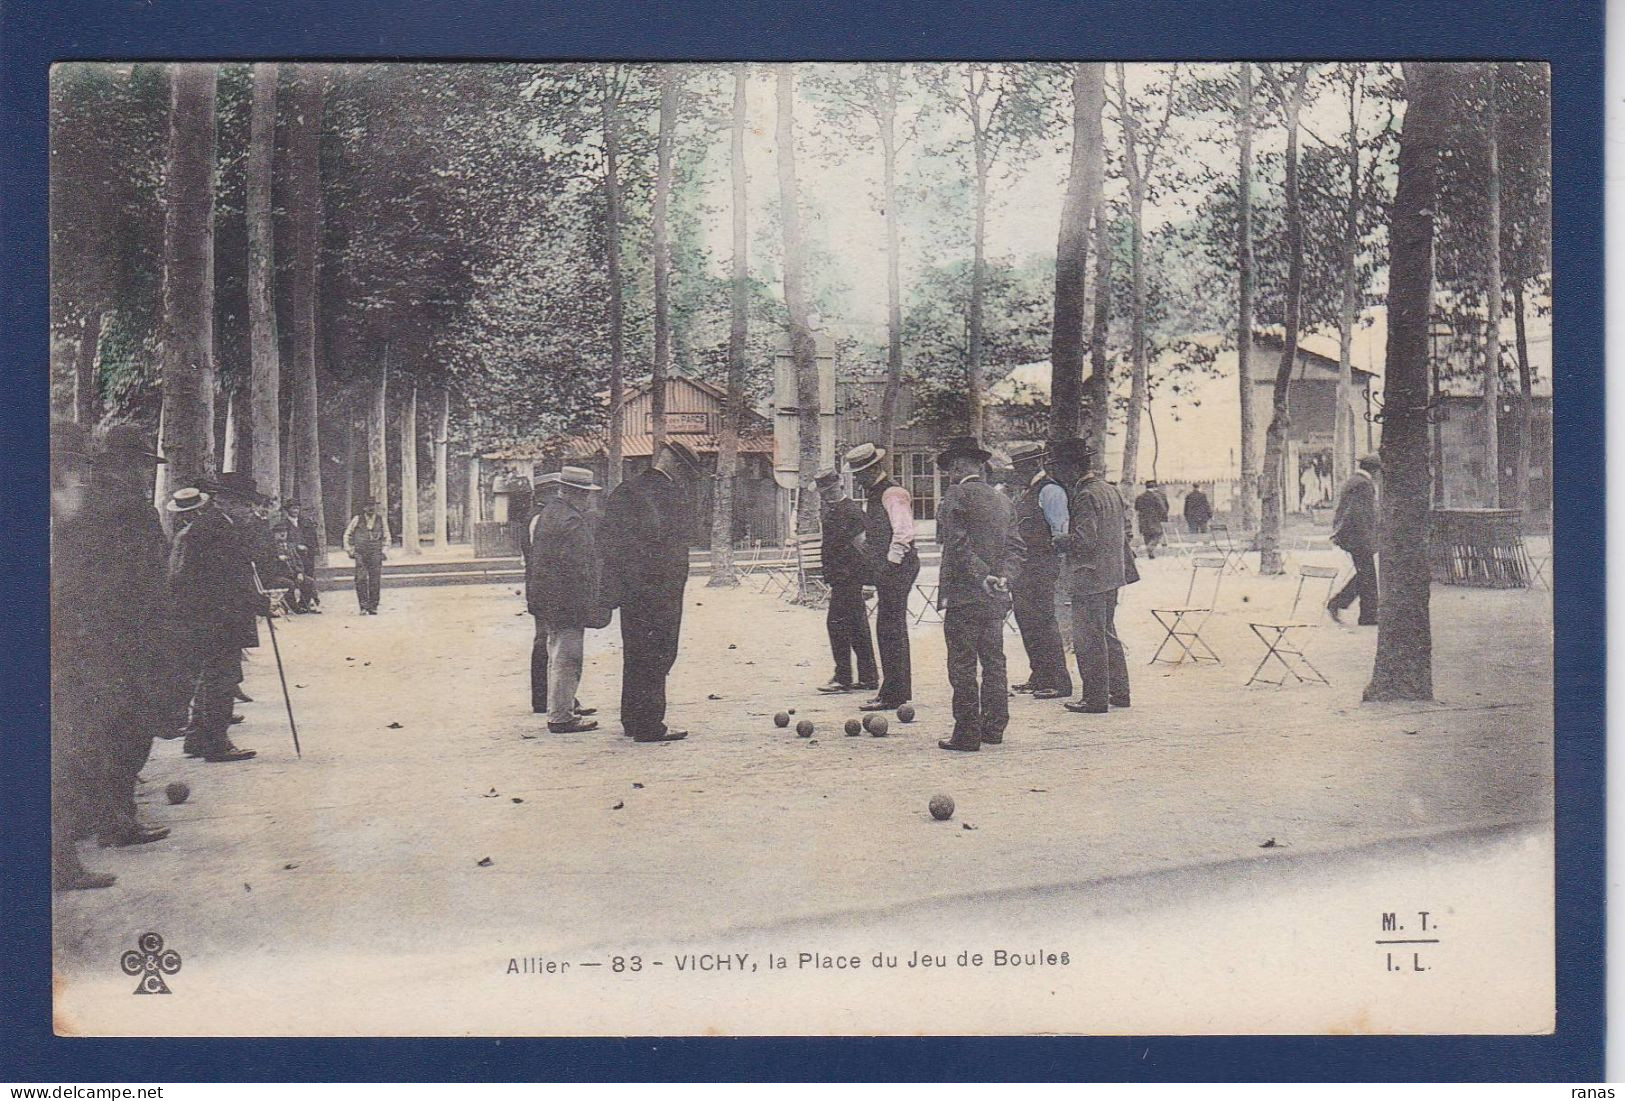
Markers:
(148, 629)
(997, 556)
(1152, 511)
(582, 563)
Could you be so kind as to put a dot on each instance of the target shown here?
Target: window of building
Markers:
(919, 477)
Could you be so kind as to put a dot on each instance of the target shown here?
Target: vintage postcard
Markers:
(964, 548)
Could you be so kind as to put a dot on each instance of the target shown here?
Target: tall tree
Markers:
(378, 435)
(409, 472)
(1492, 288)
(1083, 198)
(668, 81)
(308, 93)
(1244, 299)
(803, 348)
(1289, 91)
(265, 369)
(188, 318)
(1403, 669)
(722, 505)
(1098, 387)
(1142, 144)
(442, 439)
(612, 80)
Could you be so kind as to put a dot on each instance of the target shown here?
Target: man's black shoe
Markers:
(582, 710)
(131, 833)
(1051, 694)
(866, 686)
(240, 696)
(958, 746)
(80, 878)
(993, 739)
(578, 726)
(234, 720)
(663, 736)
(227, 753)
(833, 687)
(1120, 704)
(1086, 708)
(878, 704)
(1024, 686)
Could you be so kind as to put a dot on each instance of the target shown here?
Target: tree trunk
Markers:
(892, 74)
(472, 503)
(264, 374)
(1247, 491)
(1083, 190)
(1343, 442)
(349, 468)
(1139, 366)
(442, 432)
(662, 258)
(378, 442)
(87, 398)
(1098, 388)
(978, 293)
(305, 199)
(1526, 405)
(617, 295)
(722, 505)
(288, 483)
(410, 536)
(1274, 473)
(803, 349)
(1492, 297)
(188, 344)
(231, 451)
(1404, 664)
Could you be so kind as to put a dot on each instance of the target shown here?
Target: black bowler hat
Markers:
(963, 446)
(828, 478)
(1371, 463)
(126, 441)
(1075, 450)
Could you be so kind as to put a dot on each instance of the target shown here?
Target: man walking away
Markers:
(1151, 509)
(1097, 561)
(888, 542)
(1041, 520)
(1198, 510)
(845, 572)
(644, 542)
(561, 589)
(980, 547)
(1354, 528)
(364, 541)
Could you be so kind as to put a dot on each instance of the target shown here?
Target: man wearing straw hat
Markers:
(888, 540)
(1042, 519)
(1098, 564)
(561, 590)
(845, 573)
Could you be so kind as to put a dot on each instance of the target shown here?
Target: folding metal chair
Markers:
(779, 573)
(1182, 627)
(929, 593)
(1281, 645)
(1219, 534)
(750, 556)
(810, 587)
(1540, 570)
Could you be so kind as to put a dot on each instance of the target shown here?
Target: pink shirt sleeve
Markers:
(901, 510)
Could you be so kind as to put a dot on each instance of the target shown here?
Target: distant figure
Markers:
(561, 591)
(643, 541)
(1151, 508)
(845, 573)
(894, 563)
(364, 541)
(980, 549)
(1042, 519)
(1198, 510)
(1354, 528)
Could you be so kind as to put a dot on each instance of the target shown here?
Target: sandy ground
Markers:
(344, 892)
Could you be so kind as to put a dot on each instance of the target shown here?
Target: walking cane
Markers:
(270, 621)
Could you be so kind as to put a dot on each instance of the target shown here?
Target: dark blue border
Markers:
(1569, 33)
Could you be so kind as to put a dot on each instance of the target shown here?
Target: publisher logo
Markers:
(152, 961)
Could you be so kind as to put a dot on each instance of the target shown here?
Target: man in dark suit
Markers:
(1198, 510)
(1098, 563)
(1151, 508)
(644, 541)
(1042, 518)
(1354, 528)
(976, 526)
(561, 590)
(212, 610)
(845, 572)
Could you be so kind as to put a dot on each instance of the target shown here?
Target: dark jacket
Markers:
(1198, 510)
(1152, 509)
(843, 560)
(976, 526)
(1095, 548)
(643, 543)
(212, 599)
(1354, 525)
(561, 573)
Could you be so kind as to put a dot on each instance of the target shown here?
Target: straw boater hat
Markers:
(1027, 453)
(967, 446)
(189, 499)
(863, 456)
(570, 477)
